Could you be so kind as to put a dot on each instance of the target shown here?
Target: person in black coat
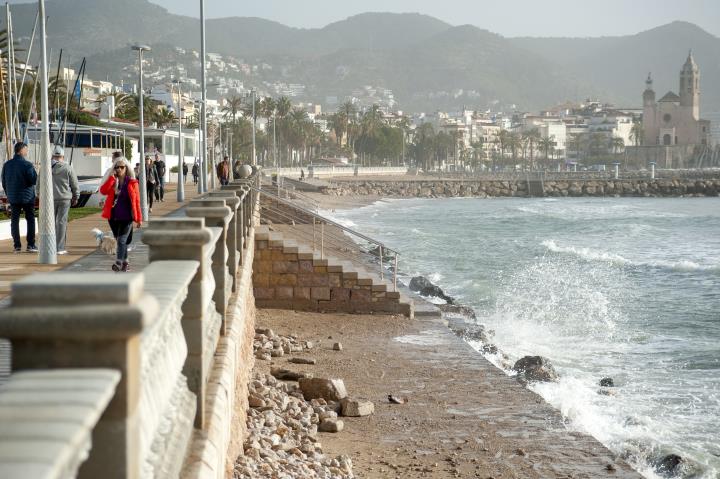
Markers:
(18, 181)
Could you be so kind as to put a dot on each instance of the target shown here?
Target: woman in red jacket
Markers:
(122, 207)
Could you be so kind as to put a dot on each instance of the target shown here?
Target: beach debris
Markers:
(422, 285)
(535, 368)
(356, 408)
(287, 375)
(328, 389)
(302, 360)
(282, 432)
(337, 347)
(397, 400)
(607, 382)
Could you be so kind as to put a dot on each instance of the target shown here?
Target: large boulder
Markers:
(535, 368)
(669, 465)
(328, 389)
(424, 286)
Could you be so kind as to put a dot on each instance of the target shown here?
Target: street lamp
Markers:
(143, 181)
(181, 152)
(202, 185)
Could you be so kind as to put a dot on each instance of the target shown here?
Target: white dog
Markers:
(105, 241)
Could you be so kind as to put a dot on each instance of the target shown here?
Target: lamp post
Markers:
(254, 125)
(181, 151)
(48, 252)
(141, 170)
(202, 185)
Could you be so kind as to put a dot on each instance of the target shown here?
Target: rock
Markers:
(331, 425)
(337, 347)
(458, 309)
(287, 375)
(309, 344)
(536, 368)
(277, 352)
(256, 401)
(302, 360)
(422, 285)
(357, 408)
(263, 355)
(607, 382)
(328, 389)
(669, 465)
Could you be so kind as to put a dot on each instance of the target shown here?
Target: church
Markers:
(675, 119)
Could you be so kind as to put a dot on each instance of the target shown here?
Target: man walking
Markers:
(160, 187)
(18, 181)
(65, 194)
(185, 172)
(195, 172)
(223, 171)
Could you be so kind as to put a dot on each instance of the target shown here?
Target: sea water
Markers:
(621, 288)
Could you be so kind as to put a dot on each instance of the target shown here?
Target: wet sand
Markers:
(464, 418)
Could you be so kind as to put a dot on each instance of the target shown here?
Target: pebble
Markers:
(337, 347)
(302, 360)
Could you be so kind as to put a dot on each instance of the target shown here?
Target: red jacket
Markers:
(108, 189)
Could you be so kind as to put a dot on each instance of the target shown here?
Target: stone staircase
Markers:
(289, 275)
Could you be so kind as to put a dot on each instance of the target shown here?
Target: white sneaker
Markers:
(62, 252)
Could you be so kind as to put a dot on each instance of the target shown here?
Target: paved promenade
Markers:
(80, 244)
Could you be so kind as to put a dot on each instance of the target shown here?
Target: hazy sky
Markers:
(507, 17)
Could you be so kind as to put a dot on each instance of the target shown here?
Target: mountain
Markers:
(427, 63)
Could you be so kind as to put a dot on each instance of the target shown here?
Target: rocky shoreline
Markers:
(523, 188)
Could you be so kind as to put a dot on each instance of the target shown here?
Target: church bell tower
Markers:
(690, 86)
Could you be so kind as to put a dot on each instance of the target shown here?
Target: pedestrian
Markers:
(237, 166)
(18, 181)
(160, 167)
(302, 174)
(195, 172)
(65, 195)
(223, 171)
(121, 208)
(185, 172)
(151, 180)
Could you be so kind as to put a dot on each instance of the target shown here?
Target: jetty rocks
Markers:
(478, 188)
(535, 368)
(423, 286)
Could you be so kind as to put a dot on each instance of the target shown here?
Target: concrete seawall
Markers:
(524, 188)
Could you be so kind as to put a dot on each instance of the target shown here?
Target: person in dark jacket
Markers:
(151, 180)
(195, 172)
(185, 172)
(160, 186)
(18, 181)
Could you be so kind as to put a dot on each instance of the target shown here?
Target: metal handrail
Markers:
(322, 221)
(326, 220)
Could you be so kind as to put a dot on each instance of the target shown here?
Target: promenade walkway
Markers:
(80, 243)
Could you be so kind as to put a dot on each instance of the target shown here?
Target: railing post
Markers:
(233, 202)
(87, 320)
(395, 272)
(382, 274)
(216, 214)
(189, 239)
(313, 234)
(322, 240)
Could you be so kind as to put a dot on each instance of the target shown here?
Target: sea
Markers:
(621, 288)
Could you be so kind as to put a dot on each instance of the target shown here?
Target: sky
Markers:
(576, 18)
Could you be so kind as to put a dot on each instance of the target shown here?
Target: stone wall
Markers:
(519, 188)
(179, 333)
(285, 277)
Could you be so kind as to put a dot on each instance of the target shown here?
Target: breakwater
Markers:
(524, 188)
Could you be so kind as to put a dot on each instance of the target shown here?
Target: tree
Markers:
(232, 107)
(531, 138)
(164, 117)
(637, 134)
(547, 145)
(617, 144)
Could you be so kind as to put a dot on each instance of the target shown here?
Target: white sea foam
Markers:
(590, 254)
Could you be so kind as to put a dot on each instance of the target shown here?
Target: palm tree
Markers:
(532, 137)
(617, 144)
(348, 110)
(267, 110)
(164, 117)
(637, 133)
(547, 144)
(232, 107)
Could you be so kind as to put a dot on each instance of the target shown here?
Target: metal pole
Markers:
(395, 272)
(232, 177)
(382, 277)
(254, 158)
(181, 153)
(11, 118)
(322, 240)
(313, 234)
(203, 106)
(48, 252)
(275, 158)
(142, 169)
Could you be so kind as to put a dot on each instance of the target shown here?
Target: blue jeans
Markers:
(29, 209)
(122, 231)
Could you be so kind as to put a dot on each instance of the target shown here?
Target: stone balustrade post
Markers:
(188, 239)
(87, 320)
(241, 192)
(217, 214)
(235, 252)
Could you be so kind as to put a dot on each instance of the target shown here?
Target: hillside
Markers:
(427, 63)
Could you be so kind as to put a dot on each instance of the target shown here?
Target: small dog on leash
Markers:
(105, 241)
